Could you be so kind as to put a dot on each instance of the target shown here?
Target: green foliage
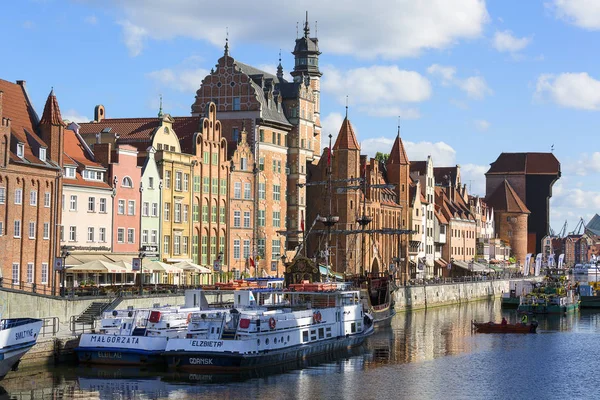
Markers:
(382, 156)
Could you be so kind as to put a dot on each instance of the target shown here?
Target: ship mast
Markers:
(329, 220)
(363, 221)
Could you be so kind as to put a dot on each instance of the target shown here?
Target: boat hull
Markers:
(220, 362)
(491, 327)
(9, 359)
(510, 302)
(551, 309)
(590, 302)
(383, 318)
(120, 349)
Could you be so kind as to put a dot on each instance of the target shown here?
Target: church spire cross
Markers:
(306, 28)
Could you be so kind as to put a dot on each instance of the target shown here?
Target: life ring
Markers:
(272, 323)
(317, 317)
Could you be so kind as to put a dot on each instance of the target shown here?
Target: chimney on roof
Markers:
(102, 153)
(99, 113)
(21, 83)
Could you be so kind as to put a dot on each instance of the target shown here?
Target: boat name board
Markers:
(207, 343)
(28, 333)
(114, 339)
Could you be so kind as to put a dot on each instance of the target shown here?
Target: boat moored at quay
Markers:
(278, 328)
(17, 337)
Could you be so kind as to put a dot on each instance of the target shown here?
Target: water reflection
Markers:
(425, 354)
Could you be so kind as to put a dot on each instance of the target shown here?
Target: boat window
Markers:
(212, 330)
(258, 342)
(288, 338)
(218, 330)
(328, 329)
(353, 327)
(267, 341)
(321, 333)
(275, 340)
(305, 336)
(281, 340)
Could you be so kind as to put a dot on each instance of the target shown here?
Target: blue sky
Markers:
(469, 78)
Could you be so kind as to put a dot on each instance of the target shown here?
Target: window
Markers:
(17, 226)
(154, 236)
(130, 235)
(91, 204)
(276, 192)
(145, 209)
(215, 158)
(62, 233)
(246, 219)
(121, 235)
(213, 214)
(275, 249)
(69, 172)
(150, 182)
(90, 237)
(177, 212)
(2, 195)
(243, 164)
(236, 104)
(206, 157)
(276, 219)
(273, 137)
(1, 228)
(274, 165)
(279, 139)
(168, 179)
(97, 176)
(102, 208)
(47, 199)
(195, 249)
(237, 190)
(205, 213)
(131, 207)
(167, 211)
(72, 233)
(236, 249)
(186, 182)
(145, 236)
(102, 235)
(121, 207)
(195, 213)
(42, 154)
(222, 215)
(213, 249)
(262, 191)
(32, 230)
(261, 135)
(205, 184)
(236, 218)
(261, 217)
(19, 196)
(33, 198)
(215, 186)
(196, 184)
(186, 211)
(236, 135)
(127, 182)
(178, 181)
(44, 273)
(166, 244)
(261, 164)
(246, 248)
(222, 245)
(20, 150)
(185, 244)
(247, 191)
(15, 273)
(73, 203)
(155, 209)
(223, 187)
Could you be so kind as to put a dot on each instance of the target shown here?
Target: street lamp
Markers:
(283, 258)
(218, 262)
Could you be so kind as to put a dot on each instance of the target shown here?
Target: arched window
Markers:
(127, 182)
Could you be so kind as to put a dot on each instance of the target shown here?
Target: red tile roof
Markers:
(445, 175)
(23, 122)
(504, 198)
(346, 138)
(528, 163)
(398, 153)
(419, 166)
(51, 115)
(75, 153)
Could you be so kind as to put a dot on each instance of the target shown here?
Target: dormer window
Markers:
(42, 153)
(20, 150)
(127, 182)
(69, 172)
(90, 175)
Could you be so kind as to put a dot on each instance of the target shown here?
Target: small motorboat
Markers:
(492, 327)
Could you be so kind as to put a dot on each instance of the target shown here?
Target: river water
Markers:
(430, 354)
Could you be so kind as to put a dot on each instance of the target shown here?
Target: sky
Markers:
(465, 79)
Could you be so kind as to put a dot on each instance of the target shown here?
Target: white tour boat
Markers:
(138, 337)
(17, 336)
(291, 327)
(585, 269)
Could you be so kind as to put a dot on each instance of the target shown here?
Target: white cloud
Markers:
(571, 90)
(181, 79)
(92, 20)
(459, 104)
(582, 13)
(133, 37)
(441, 153)
(389, 29)
(506, 42)
(330, 125)
(73, 116)
(272, 69)
(481, 125)
(473, 176)
(391, 111)
(474, 86)
(586, 164)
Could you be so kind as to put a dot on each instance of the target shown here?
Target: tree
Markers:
(382, 157)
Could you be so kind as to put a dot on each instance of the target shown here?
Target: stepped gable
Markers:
(398, 153)
(504, 198)
(23, 123)
(51, 115)
(346, 139)
(527, 163)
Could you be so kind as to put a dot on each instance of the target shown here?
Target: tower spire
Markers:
(280, 67)
(398, 126)
(346, 106)
(160, 111)
(306, 28)
(227, 41)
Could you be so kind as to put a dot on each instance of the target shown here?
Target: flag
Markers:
(252, 262)
(561, 260)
